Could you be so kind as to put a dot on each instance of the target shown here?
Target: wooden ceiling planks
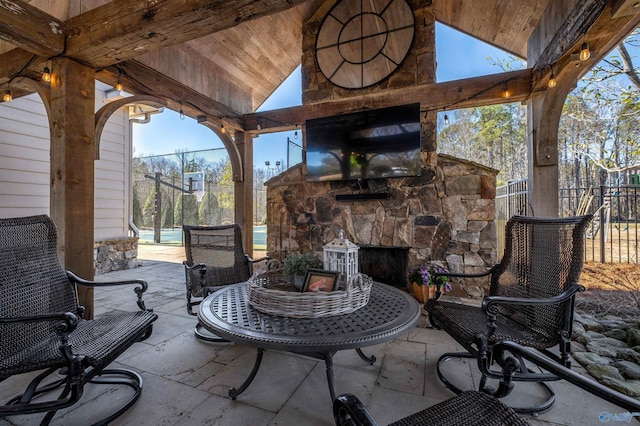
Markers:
(263, 52)
(505, 24)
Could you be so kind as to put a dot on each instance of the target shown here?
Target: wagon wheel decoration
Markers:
(362, 43)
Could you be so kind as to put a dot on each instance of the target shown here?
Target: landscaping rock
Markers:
(628, 354)
(617, 333)
(610, 324)
(609, 349)
(588, 322)
(602, 349)
(602, 371)
(627, 387)
(595, 335)
(633, 337)
(588, 358)
(629, 370)
(610, 341)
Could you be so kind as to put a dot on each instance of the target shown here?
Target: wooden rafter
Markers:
(140, 79)
(123, 29)
(573, 29)
(471, 92)
(31, 29)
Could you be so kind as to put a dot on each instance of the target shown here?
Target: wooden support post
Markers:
(244, 190)
(544, 110)
(71, 123)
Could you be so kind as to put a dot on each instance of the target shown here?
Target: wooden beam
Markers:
(30, 28)
(122, 29)
(608, 30)
(622, 8)
(138, 78)
(470, 92)
(570, 33)
(20, 62)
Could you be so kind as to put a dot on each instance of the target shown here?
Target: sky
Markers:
(167, 133)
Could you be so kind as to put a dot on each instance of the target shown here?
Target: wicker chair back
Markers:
(33, 282)
(543, 257)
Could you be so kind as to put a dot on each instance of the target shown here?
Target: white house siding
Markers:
(25, 165)
(112, 176)
(24, 158)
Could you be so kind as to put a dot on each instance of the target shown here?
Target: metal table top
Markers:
(389, 313)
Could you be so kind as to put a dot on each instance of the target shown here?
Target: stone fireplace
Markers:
(445, 215)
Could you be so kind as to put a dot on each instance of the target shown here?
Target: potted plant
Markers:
(422, 282)
(296, 265)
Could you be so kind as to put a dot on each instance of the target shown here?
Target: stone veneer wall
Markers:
(446, 215)
(115, 255)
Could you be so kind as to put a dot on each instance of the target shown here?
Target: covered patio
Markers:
(186, 380)
(217, 62)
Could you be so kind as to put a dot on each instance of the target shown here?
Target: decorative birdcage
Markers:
(341, 255)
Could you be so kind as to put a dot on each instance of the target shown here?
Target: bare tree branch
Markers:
(628, 65)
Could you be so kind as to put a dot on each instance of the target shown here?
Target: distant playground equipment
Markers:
(625, 209)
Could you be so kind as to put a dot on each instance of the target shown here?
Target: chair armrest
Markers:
(143, 286)
(251, 260)
(457, 275)
(591, 386)
(348, 410)
(438, 284)
(489, 303)
(68, 318)
(196, 266)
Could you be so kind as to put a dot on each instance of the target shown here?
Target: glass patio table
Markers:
(227, 313)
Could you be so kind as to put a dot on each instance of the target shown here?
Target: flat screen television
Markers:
(370, 144)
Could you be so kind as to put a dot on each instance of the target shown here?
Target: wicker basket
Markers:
(266, 295)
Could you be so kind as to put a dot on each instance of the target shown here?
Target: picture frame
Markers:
(320, 280)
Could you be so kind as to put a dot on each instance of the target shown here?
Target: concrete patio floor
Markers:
(186, 380)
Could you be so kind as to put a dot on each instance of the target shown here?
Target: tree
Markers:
(166, 211)
(186, 209)
(138, 218)
(493, 135)
(209, 211)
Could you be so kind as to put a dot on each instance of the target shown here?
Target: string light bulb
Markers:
(119, 86)
(506, 94)
(46, 75)
(584, 52)
(7, 96)
(222, 129)
(295, 134)
(552, 81)
(181, 112)
(446, 118)
(259, 126)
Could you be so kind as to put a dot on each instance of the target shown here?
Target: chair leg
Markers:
(204, 335)
(504, 389)
(119, 376)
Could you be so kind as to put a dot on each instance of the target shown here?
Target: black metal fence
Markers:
(614, 233)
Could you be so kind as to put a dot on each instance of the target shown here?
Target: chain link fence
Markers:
(187, 188)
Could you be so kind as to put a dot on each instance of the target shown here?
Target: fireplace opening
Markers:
(384, 264)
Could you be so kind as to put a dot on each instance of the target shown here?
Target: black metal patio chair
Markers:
(43, 331)
(215, 259)
(481, 409)
(530, 301)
